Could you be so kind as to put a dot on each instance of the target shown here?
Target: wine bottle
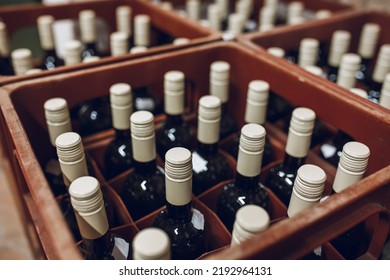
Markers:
(250, 220)
(142, 30)
(219, 86)
(350, 170)
(124, 21)
(255, 112)
(366, 49)
(6, 68)
(346, 76)
(143, 189)
(209, 166)
(339, 45)
(384, 99)
(21, 61)
(73, 164)
(92, 115)
(119, 44)
(307, 191)
(184, 225)
(266, 18)
(245, 188)
(382, 67)
(235, 24)
(118, 154)
(151, 244)
(174, 132)
(281, 177)
(46, 37)
(58, 122)
(87, 21)
(98, 242)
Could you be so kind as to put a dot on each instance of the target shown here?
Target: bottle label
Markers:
(53, 167)
(146, 104)
(328, 150)
(199, 164)
(121, 249)
(197, 219)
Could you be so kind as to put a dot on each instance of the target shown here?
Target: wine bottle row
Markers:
(358, 72)
(220, 15)
(133, 34)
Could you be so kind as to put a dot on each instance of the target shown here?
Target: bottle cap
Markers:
(87, 201)
(251, 148)
(219, 80)
(214, 16)
(266, 27)
(165, 5)
(70, 152)
(142, 30)
(368, 40)
(72, 52)
(33, 71)
(22, 61)
(87, 20)
(91, 59)
(181, 41)
(308, 51)
(323, 13)
(143, 138)
(121, 105)
(350, 63)
(382, 66)
(257, 102)
(45, 30)
(5, 48)
(250, 220)
(271, 3)
(275, 51)
(300, 131)
(243, 7)
(119, 43)
(151, 244)
(339, 45)
(315, 70)
(308, 188)
(223, 7)
(123, 19)
(209, 117)
(57, 117)
(267, 16)
(138, 49)
(235, 23)
(193, 9)
(294, 10)
(359, 92)
(178, 176)
(384, 99)
(352, 165)
(297, 20)
(174, 92)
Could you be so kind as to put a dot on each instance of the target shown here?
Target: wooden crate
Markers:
(28, 144)
(21, 17)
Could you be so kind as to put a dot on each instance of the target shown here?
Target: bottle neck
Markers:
(293, 163)
(208, 149)
(99, 247)
(174, 120)
(179, 213)
(144, 167)
(244, 182)
(122, 134)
